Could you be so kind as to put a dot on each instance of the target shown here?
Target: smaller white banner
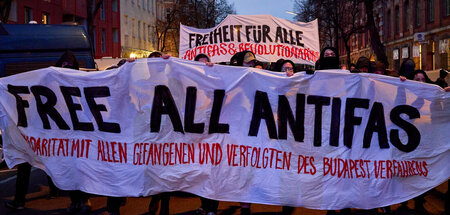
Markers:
(270, 38)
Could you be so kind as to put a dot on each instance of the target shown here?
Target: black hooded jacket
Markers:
(328, 62)
(407, 69)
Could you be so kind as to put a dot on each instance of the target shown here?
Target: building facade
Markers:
(138, 27)
(168, 23)
(106, 21)
(416, 29)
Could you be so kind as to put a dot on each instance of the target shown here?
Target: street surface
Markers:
(181, 204)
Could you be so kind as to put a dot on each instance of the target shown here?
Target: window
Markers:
(102, 15)
(115, 35)
(13, 11)
(94, 39)
(405, 52)
(430, 9)
(395, 54)
(388, 23)
(125, 27)
(28, 15)
(153, 6)
(360, 40)
(417, 9)
(447, 7)
(149, 33)
(103, 41)
(406, 16)
(397, 20)
(144, 31)
(139, 29)
(115, 6)
(153, 35)
(366, 39)
(45, 18)
(167, 13)
(149, 5)
(132, 28)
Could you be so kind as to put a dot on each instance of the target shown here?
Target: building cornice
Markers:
(437, 30)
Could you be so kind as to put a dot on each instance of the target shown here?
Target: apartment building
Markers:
(416, 29)
(138, 27)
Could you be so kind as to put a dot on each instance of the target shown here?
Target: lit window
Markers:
(45, 18)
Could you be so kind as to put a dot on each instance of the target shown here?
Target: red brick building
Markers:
(416, 29)
(106, 21)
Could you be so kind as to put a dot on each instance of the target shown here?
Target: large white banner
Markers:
(325, 141)
(270, 38)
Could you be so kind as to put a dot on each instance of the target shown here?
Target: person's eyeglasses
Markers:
(329, 53)
(286, 69)
(66, 64)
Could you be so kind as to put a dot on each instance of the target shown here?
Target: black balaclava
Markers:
(328, 62)
(68, 60)
(407, 69)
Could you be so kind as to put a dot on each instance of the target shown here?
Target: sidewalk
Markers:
(182, 204)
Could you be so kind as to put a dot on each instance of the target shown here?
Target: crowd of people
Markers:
(329, 59)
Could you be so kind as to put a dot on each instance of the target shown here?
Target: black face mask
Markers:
(329, 63)
(409, 71)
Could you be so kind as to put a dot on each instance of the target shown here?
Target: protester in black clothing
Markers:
(352, 67)
(67, 60)
(329, 59)
(113, 204)
(259, 65)
(164, 198)
(276, 65)
(202, 58)
(79, 199)
(244, 58)
(363, 65)
(421, 76)
(208, 206)
(407, 69)
(155, 54)
(377, 68)
(441, 80)
(285, 66)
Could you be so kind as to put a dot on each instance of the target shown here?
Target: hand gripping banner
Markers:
(270, 38)
(329, 140)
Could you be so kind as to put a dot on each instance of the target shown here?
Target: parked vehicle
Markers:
(25, 47)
